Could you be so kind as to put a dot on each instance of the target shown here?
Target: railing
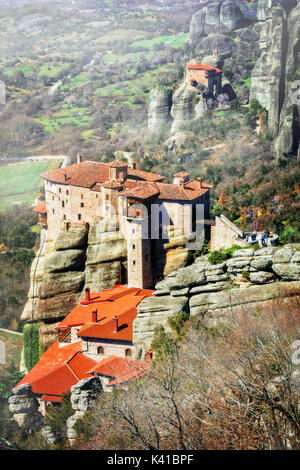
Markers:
(65, 336)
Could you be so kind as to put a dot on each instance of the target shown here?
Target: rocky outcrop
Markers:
(77, 259)
(275, 71)
(183, 107)
(24, 407)
(216, 292)
(159, 108)
(84, 396)
(220, 42)
(64, 266)
(215, 18)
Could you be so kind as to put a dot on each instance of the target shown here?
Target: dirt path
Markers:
(11, 331)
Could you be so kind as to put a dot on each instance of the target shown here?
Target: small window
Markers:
(63, 203)
(133, 247)
(96, 195)
(52, 198)
(128, 352)
(100, 350)
(81, 196)
(59, 190)
(79, 216)
(107, 197)
(82, 204)
(53, 211)
(67, 192)
(133, 262)
(64, 217)
(133, 230)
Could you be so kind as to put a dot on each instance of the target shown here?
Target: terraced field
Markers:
(20, 182)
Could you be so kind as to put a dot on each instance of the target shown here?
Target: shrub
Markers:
(217, 257)
(32, 346)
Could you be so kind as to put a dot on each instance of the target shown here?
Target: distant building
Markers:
(94, 339)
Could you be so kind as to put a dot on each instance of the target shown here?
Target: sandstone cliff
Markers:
(276, 69)
(215, 18)
(215, 292)
(77, 259)
(159, 108)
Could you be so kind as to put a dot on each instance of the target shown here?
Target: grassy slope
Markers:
(20, 182)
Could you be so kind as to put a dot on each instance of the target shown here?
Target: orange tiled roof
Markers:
(118, 164)
(167, 191)
(54, 358)
(144, 175)
(79, 364)
(62, 366)
(141, 191)
(87, 174)
(112, 185)
(202, 67)
(103, 329)
(54, 398)
(56, 382)
(41, 208)
(108, 303)
(120, 369)
(181, 174)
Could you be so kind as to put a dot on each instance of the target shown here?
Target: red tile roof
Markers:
(54, 398)
(118, 164)
(63, 365)
(41, 208)
(104, 329)
(141, 191)
(202, 67)
(86, 174)
(56, 382)
(54, 358)
(181, 174)
(144, 175)
(120, 369)
(108, 303)
(167, 191)
(79, 364)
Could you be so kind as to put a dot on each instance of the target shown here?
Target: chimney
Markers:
(200, 182)
(133, 164)
(115, 324)
(79, 158)
(87, 294)
(149, 355)
(94, 316)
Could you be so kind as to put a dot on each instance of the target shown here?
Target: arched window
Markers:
(100, 350)
(128, 352)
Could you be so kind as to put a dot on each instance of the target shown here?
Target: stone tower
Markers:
(139, 253)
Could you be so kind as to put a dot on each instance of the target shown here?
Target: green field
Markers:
(13, 348)
(20, 182)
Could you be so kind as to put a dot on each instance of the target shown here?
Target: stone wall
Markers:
(215, 292)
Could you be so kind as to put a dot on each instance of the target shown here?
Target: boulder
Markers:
(220, 42)
(262, 277)
(73, 238)
(283, 255)
(287, 271)
(262, 263)
(66, 260)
